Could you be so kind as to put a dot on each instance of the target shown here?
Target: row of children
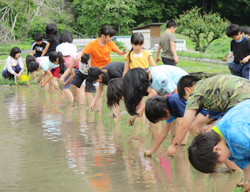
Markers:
(199, 102)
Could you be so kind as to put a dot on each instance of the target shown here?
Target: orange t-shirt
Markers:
(100, 54)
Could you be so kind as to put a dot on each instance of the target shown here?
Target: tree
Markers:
(202, 30)
(93, 14)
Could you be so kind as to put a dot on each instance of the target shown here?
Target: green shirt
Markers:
(165, 41)
(219, 93)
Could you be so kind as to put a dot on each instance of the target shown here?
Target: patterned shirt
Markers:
(219, 93)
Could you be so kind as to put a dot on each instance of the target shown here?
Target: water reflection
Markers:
(59, 148)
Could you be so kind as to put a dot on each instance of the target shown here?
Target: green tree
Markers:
(202, 30)
(93, 14)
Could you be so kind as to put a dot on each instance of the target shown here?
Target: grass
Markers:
(238, 189)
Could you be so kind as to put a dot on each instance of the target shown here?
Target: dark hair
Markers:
(65, 36)
(29, 59)
(14, 51)
(170, 24)
(107, 30)
(136, 39)
(51, 30)
(155, 108)
(232, 30)
(114, 92)
(201, 154)
(135, 85)
(93, 75)
(185, 81)
(85, 58)
(33, 66)
(245, 29)
(53, 56)
(38, 37)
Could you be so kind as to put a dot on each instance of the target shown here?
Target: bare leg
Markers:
(73, 89)
(116, 112)
(81, 95)
(99, 104)
(69, 95)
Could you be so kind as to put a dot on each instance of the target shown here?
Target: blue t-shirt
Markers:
(178, 109)
(165, 78)
(46, 64)
(235, 128)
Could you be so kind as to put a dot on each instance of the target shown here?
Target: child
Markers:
(218, 93)
(53, 39)
(114, 92)
(100, 49)
(139, 82)
(137, 57)
(54, 63)
(229, 140)
(13, 67)
(167, 44)
(38, 45)
(103, 76)
(68, 51)
(240, 47)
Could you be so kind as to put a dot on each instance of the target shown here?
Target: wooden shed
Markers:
(151, 33)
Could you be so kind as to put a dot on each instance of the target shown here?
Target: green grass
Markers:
(6, 48)
(238, 189)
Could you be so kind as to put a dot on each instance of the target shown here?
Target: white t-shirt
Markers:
(83, 68)
(66, 49)
(165, 78)
(11, 62)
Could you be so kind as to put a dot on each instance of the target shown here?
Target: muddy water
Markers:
(45, 145)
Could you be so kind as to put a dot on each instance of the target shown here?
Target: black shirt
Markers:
(38, 48)
(54, 41)
(240, 49)
(115, 69)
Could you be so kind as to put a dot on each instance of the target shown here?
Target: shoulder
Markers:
(9, 58)
(33, 44)
(146, 52)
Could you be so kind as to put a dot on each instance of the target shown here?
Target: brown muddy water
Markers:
(45, 145)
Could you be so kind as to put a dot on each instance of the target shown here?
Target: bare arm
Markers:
(151, 61)
(173, 49)
(126, 68)
(45, 49)
(161, 137)
(158, 54)
(175, 91)
(97, 95)
(47, 78)
(32, 52)
(79, 56)
(69, 70)
(72, 74)
(182, 130)
(121, 52)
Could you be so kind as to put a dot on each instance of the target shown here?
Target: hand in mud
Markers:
(147, 153)
(244, 184)
(131, 120)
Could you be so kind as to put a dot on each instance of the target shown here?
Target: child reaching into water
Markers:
(229, 139)
(13, 67)
(52, 39)
(55, 63)
(138, 57)
(140, 82)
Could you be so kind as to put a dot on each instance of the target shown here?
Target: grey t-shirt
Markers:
(165, 40)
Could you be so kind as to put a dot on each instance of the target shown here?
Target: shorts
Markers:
(167, 61)
(56, 72)
(212, 114)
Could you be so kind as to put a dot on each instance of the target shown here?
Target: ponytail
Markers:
(53, 56)
(129, 54)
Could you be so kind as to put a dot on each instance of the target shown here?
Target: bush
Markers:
(121, 45)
